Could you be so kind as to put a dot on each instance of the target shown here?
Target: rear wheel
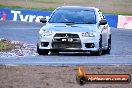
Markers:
(99, 52)
(107, 51)
(42, 51)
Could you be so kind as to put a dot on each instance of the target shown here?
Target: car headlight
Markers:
(88, 34)
(47, 33)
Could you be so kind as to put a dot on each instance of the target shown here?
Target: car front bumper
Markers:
(84, 45)
(78, 43)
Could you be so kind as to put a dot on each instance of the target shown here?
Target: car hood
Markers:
(61, 27)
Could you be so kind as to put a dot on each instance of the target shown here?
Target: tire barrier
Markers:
(115, 21)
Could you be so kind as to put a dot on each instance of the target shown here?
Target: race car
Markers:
(75, 29)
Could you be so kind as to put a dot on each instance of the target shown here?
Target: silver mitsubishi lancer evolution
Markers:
(75, 29)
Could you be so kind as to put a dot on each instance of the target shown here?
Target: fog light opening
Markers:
(89, 45)
(44, 44)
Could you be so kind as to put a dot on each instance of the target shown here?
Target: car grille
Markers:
(66, 35)
(71, 41)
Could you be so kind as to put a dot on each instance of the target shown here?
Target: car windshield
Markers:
(73, 16)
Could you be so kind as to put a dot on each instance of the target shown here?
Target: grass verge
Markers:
(51, 9)
(122, 7)
(6, 45)
(19, 7)
(45, 1)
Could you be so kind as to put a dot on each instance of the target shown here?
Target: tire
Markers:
(55, 52)
(41, 51)
(99, 51)
(107, 51)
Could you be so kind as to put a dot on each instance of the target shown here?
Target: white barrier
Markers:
(124, 22)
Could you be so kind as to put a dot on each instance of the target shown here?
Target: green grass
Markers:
(43, 1)
(51, 9)
(122, 7)
(46, 1)
(19, 7)
(118, 13)
(5, 46)
(3, 6)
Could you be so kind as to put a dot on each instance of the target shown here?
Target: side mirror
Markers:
(43, 20)
(103, 22)
(47, 18)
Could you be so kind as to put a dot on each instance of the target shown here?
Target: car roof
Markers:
(78, 7)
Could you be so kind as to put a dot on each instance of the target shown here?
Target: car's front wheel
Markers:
(42, 51)
(55, 52)
(107, 51)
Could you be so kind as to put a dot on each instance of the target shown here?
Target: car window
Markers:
(73, 16)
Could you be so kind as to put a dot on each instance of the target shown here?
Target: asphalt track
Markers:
(121, 52)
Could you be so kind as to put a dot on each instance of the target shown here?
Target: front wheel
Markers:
(107, 51)
(41, 51)
(54, 52)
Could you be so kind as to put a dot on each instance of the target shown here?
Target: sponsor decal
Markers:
(29, 18)
(83, 78)
(23, 15)
(3, 15)
(125, 22)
